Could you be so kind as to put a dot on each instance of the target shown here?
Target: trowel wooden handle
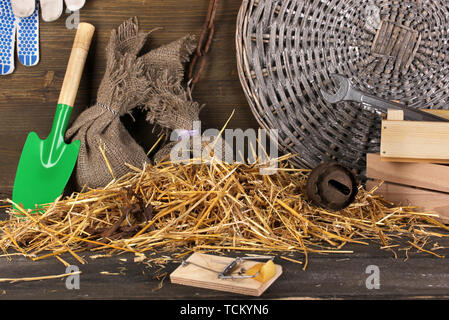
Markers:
(76, 63)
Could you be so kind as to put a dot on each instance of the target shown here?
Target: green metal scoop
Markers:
(45, 166)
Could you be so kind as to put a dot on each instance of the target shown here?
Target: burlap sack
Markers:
(129, 81)
(171, 106)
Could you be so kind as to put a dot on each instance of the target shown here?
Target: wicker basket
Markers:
(286, 50)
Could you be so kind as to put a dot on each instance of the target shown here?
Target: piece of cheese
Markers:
(267, 271)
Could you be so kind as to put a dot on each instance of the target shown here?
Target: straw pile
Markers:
(210, 207)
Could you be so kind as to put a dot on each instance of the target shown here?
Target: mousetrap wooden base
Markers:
(191, 275)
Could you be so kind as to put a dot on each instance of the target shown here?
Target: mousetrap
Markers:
(243, 275)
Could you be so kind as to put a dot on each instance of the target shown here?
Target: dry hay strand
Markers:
(211, 206)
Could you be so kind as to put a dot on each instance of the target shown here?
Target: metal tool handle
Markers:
(76, 64)
(229, 269)
(409, 113)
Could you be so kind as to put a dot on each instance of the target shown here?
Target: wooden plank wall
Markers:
(28, 96)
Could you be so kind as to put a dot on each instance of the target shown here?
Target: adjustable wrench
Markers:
(347, 92)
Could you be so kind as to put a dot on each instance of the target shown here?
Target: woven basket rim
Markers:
(309, 128)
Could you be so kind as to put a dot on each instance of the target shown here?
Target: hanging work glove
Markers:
(20, 19)
(51, 9)
(27, 31)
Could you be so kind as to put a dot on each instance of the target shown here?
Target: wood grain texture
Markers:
(415, 140)
(423, 200)
(413, 160)
(440, 113)
(395, 115)
(75, 66)
(422, 175)
(28, 97)
(326, 277)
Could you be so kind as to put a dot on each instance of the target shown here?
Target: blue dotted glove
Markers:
(27, 31)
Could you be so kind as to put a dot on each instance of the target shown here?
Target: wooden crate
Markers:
(423, 185)
(415, 141)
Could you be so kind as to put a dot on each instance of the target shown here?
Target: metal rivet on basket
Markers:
(332, 186)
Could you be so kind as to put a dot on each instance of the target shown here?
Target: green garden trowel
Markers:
(45, 166)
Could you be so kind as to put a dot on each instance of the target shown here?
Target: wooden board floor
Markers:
(327, 277)
(28, 100)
